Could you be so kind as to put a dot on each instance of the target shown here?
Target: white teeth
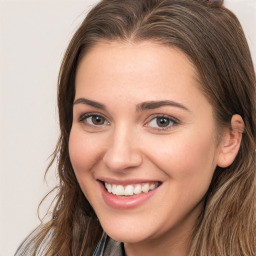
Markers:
(113, 189)
(119, 190)
(108, 187)
(145, 188)
(137, 189)
(152, 186)
(130, 190)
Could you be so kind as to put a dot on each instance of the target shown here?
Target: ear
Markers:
(231, 141)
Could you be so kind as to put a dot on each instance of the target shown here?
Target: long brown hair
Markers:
(213, 39)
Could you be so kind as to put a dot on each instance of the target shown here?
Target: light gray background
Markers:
(33, 39)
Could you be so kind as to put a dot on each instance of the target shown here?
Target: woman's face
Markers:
(143, 140)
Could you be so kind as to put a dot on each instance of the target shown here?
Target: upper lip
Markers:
(127, 181)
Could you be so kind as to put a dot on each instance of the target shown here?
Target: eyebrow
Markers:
(157, 104)
(139, 107)
(90, 103)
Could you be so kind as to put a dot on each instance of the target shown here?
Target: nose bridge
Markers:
(123, 151)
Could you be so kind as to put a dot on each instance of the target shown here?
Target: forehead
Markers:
(144, 63)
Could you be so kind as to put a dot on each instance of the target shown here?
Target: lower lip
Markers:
(122, 203)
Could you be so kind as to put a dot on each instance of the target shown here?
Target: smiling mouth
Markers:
(131, 189)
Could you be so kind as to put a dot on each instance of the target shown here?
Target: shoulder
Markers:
(31, 245)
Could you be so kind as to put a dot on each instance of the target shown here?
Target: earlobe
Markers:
(231, 141)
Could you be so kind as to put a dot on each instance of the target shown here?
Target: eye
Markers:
(162, 122)
(94, 120)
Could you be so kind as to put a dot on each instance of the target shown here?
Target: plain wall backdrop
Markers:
(33, 39)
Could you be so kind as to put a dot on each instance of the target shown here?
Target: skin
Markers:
(129, 144)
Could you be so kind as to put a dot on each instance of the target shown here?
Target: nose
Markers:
(122, 153)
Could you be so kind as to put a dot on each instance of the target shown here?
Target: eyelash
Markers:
(170, 119)
(83, 117)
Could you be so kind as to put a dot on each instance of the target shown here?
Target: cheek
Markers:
(188, 160)
(84, 151)
(196, 157)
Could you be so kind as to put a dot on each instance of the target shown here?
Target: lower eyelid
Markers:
(173, 122)
(82, 119)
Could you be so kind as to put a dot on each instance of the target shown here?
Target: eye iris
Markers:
(163, 122)
(98, 120)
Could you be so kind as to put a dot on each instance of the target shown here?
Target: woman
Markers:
(157, 149)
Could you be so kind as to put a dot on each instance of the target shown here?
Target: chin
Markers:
(128, 234)
(130, 237)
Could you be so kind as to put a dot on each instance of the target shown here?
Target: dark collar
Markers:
(109, 247)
